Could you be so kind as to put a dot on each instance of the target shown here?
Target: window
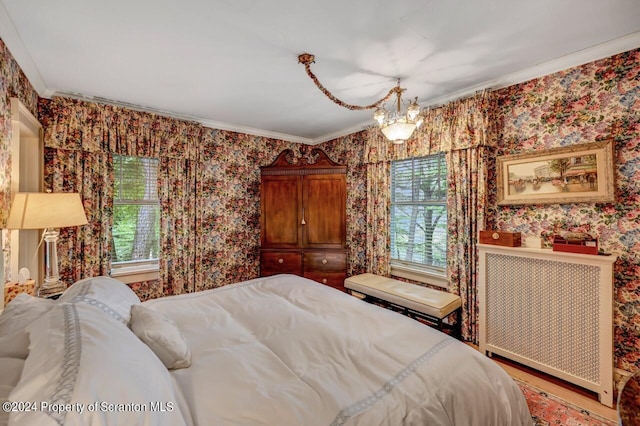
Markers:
(136, 212)
(419, 213)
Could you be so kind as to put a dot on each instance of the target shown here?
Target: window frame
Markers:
(428, 274)
(131, 271)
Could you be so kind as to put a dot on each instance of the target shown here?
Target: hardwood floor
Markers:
(566, 391)
(576, 396)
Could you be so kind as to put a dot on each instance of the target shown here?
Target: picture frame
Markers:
(581, 173)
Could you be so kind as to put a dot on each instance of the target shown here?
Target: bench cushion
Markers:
(431, 302)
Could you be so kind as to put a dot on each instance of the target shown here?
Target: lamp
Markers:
(48, 211)
(397, 126)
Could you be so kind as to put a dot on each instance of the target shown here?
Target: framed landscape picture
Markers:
(581, 173)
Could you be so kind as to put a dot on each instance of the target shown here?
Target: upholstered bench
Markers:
(416, 301)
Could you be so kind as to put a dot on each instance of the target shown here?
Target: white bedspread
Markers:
(285, 350)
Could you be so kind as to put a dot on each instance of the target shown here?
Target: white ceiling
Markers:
(232, 64)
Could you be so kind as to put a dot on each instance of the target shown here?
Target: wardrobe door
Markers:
(324, 211)
(281, 212)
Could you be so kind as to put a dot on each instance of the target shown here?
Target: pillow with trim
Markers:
(81, 356)
(105, 293)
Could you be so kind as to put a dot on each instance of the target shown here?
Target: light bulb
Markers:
(380, 115)
(413, 110)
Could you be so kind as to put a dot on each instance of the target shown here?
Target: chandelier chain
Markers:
(397, 126)
(307, 59)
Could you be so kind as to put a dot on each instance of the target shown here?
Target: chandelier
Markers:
(396, 125)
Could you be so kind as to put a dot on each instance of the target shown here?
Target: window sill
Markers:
(428, 277)
(136, 273)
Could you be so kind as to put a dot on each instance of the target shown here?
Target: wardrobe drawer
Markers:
(333, 279)
(325, 261)
(272, 263)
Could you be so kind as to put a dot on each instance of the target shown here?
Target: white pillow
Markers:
(106, 293)
(80, 356)
(162, 336)
(16, 316)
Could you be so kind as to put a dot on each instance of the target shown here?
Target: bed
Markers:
(281, 350)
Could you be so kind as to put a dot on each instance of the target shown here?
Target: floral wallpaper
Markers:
(592, 102)
(595, 101)
(13, 83)
(349, 150)
(209, 183)
(229, 171)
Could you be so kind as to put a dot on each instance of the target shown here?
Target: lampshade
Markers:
(41, 210)
(398, 131)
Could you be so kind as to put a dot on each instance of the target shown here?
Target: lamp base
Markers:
(51, 289)
(52, 284)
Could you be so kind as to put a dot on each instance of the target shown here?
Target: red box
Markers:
(575, 246)
(507, 239)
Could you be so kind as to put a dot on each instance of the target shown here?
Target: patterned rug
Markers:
(547, 409)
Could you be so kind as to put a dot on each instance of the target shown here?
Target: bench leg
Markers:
(456, 331)
(458, 328)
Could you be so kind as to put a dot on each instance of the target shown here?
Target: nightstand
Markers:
(53, 296)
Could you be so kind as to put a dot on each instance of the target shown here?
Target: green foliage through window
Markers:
(419, 211)
(136, 209)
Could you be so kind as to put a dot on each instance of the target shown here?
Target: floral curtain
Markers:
(91, 175)
(466, 201)
(463, 131)
(378, 247)
(468, 142)
(178, 213)
(76, 160)
(80, 140)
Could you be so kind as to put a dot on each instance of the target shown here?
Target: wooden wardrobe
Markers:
(303, 222)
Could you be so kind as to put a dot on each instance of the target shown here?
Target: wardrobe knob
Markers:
(281, 260)
(324, 281)
(324, 261)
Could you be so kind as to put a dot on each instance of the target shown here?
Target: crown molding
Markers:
(581, 57)
(255, 132)
(13, 42)
(341, 133)
(217, 125)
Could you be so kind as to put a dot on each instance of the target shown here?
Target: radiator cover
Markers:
(551, 311)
